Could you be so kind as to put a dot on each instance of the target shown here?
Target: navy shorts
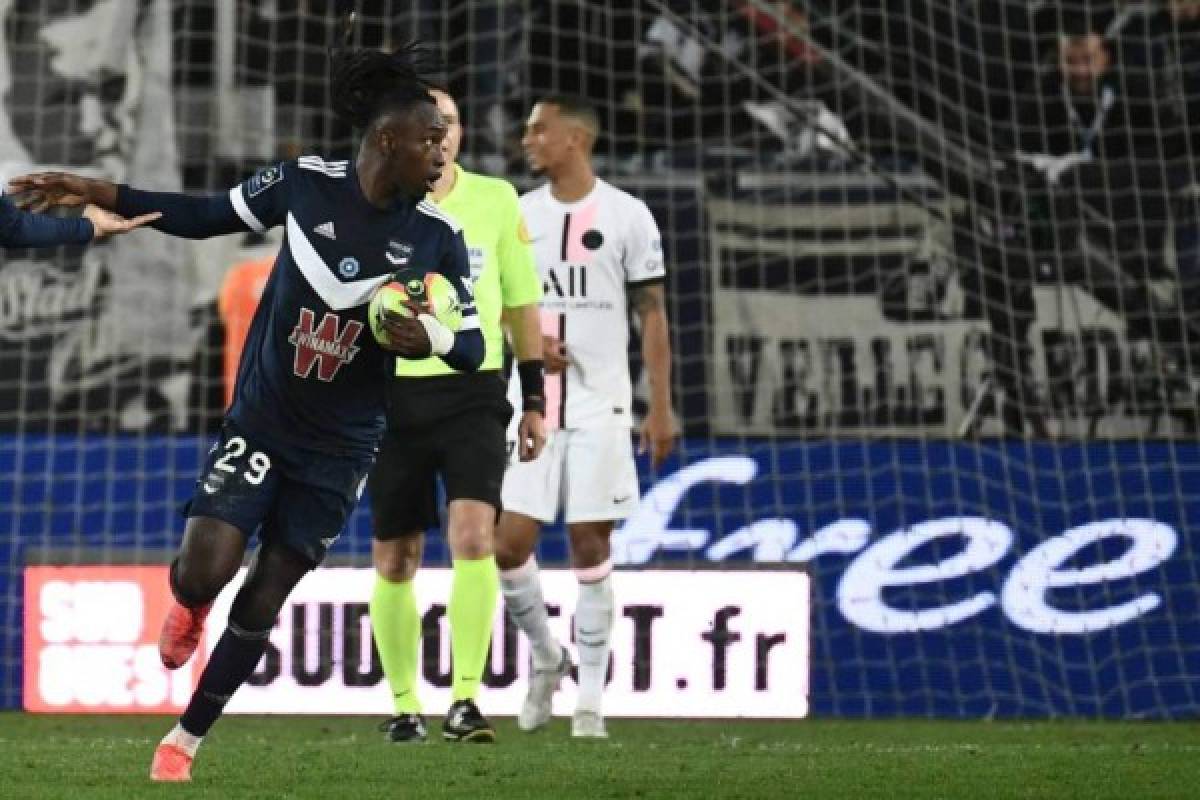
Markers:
(294, 497)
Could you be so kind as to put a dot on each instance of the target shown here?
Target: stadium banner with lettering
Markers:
(844, 305)
(93, 338)
(91, 642)
(1013, 578)
(948, 578)
(702, 644)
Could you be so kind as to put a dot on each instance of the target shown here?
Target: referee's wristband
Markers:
(533, 385)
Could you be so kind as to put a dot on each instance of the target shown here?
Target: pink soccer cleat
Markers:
(181, 632)
(171, 764)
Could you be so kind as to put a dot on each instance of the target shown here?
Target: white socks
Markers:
(593, 632)
(183, 740)
(522, 590)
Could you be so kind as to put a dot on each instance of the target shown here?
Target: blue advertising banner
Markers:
(962, 579)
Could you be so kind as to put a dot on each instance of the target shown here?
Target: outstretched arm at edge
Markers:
(187, 216)
(23, 229)
(192, 217)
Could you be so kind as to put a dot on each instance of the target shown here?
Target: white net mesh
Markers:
(933, 269)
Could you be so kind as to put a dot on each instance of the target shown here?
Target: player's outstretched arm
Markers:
(26, 229)
(187, 216)
(106, 223)
(659, 428)
(43, 190)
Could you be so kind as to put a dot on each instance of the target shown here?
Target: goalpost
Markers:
(944, 369)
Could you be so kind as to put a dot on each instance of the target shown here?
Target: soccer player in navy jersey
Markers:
(19, 228)
(308, 408)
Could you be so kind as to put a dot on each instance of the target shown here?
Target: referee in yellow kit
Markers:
(448, 424)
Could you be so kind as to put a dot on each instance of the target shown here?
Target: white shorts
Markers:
(589, 473)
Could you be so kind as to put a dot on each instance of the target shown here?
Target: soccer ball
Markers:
(409, 292)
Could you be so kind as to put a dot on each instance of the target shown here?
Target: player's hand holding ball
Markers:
(399, 332)
(415, 314)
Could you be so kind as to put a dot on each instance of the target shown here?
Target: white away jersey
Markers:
(587, 253)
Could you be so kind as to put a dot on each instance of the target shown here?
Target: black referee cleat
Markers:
(404, 728)
(464, 723)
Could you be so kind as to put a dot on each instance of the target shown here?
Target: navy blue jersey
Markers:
(22, 229)
(311, 374)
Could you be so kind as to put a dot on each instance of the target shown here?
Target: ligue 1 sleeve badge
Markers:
(264, 179)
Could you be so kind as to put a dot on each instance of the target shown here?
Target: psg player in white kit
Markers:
(599, 253)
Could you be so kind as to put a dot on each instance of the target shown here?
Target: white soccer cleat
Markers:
(588, 725)
(535, 711)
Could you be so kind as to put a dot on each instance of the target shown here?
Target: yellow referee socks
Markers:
(472, 606)
(397, 629)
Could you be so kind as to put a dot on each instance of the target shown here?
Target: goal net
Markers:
(933, 280)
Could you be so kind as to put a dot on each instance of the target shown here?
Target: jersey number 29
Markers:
(257, 465)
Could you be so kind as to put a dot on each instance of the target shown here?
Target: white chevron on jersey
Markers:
(335, 294)
(243, 210)
(430, 209)
(333, 169)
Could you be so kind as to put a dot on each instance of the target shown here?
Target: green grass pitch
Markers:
(345, 757)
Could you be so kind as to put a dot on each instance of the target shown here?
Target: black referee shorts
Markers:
(452, 426)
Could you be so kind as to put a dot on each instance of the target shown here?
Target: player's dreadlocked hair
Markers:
(364, 82)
